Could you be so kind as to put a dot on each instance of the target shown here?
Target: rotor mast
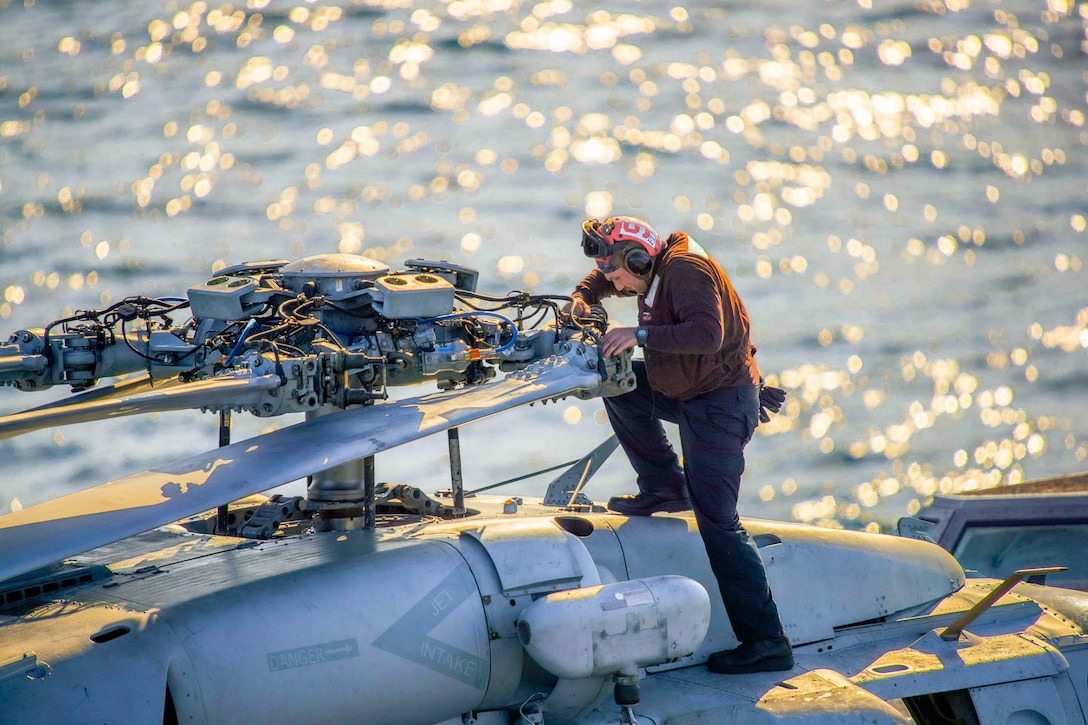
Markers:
(342, 497)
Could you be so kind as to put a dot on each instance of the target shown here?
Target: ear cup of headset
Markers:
(636, 261)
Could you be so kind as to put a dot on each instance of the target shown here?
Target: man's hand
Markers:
(577, 308)
(617, 340)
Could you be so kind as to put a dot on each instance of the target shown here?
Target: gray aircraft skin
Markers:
(150, 599)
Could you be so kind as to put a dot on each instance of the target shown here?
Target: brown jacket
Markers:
(699, 334)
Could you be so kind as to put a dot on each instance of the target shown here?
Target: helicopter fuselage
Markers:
(332, 627)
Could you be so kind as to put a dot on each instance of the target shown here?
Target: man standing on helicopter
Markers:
(699, 373)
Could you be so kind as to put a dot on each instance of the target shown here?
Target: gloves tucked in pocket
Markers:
(770, 400)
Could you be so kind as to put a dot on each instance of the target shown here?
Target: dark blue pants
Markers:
(714, 428)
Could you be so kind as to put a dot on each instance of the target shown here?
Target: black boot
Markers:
(760, 655)
(648, 502)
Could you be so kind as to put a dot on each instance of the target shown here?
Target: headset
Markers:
(631, 258)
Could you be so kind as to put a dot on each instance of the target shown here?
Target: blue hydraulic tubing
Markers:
(250, 326)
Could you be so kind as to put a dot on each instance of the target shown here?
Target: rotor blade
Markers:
(124, 386)
(222, 391)
(42, 534)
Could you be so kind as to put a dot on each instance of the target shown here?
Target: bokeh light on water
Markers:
(897, 189)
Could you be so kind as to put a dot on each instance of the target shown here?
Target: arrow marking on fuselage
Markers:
(312, 654)
(408, 636)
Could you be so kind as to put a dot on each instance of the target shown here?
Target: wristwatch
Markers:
(641, 333)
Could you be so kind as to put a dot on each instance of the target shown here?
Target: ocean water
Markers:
(899, 191)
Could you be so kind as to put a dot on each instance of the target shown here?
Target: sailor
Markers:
(700, 373)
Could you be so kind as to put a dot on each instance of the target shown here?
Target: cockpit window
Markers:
(997, 551)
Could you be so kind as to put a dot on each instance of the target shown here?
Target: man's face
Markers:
(624, 280)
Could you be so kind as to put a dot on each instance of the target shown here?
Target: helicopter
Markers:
(185, 594)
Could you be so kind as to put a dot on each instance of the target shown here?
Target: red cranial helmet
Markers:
(622, 241)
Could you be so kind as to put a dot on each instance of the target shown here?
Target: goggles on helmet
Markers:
(594, 243)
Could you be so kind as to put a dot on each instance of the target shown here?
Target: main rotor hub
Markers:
(336, 276)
